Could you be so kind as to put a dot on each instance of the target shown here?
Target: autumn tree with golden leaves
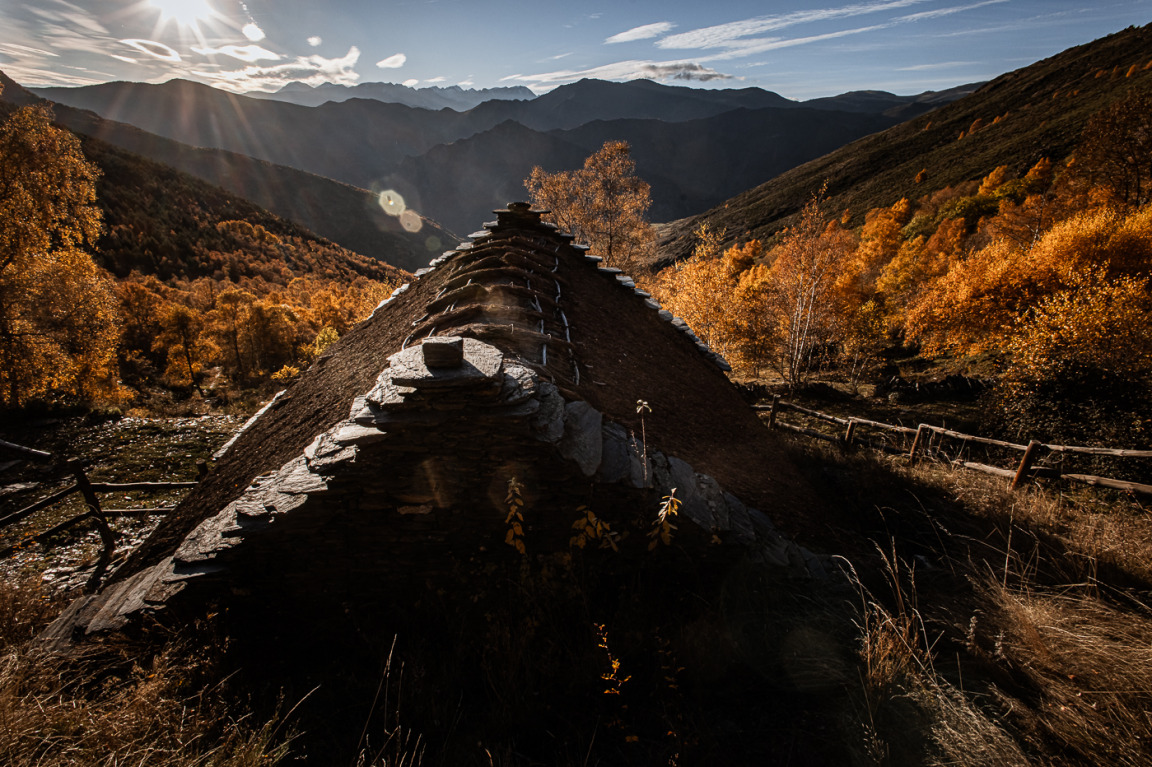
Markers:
(604, 204)
(58, 311)
(805, 268)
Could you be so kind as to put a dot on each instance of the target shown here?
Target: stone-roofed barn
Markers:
(515, 357)
(453, 439)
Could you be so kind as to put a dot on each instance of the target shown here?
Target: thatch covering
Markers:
(514, 364)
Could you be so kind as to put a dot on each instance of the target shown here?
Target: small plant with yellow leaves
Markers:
(661, 531)
(590, 528)
(615, 682)
(515, 518)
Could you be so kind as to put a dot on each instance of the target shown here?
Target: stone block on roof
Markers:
(482, 362)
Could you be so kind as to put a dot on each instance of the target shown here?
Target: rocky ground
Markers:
(122, 450)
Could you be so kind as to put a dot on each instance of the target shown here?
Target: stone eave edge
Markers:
(602, 450)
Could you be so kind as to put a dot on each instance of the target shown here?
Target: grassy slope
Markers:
(1043, 109)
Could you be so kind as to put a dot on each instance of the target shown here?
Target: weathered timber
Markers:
(1100, 451)
(986, 469)
(815, 414)
(972, 438)
(43, 503)
(885, 426)
(1114, 484)
(110, 487)
(25, 453)
(1030, 455)
(807, 432)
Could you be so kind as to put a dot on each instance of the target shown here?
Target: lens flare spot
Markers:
(391, 202)
(411, 221)
(433, 243)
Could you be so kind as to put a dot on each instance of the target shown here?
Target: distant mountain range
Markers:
(451, 97)
(161, 222)
(1020, 117)
(346, 215)
(695, 146)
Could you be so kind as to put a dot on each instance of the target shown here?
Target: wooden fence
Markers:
(923, 435)
(97, 515)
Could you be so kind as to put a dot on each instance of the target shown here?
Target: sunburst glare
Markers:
(186, 13)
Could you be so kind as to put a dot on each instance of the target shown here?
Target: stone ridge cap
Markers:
(523, 226)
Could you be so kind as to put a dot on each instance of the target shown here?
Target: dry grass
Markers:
(113, 709)
(997, 627)
(1083, 669)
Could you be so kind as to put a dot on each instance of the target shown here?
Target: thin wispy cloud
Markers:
(627, 70)
(394, 61)
(763, 45)
(412, 83)
(645, 32)
(253, 32)
(940, 65)
(734, 34)
(738, 43)
(246, 53)
(154, 49)
(71, 15)
(311, 70)
(15, 49)
(939, 12)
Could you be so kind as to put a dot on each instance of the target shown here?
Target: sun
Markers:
(186, 13)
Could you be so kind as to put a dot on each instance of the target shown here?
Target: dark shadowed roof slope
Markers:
(515, 360)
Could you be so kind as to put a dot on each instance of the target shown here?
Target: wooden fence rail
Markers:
(94, 512)
(1024, 471)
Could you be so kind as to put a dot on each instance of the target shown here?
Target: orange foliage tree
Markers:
(604, 204)
(1081, 362)
(58, 313)
(805, 267)
(974, 306)
(721, 296)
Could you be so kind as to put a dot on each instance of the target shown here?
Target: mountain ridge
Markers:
(339, 212)
(377, 146)
(1032, 112)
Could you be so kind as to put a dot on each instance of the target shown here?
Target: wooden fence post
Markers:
(107, 537)
(1030, 452)
(920, 431)
(849, 432)
(772, 411)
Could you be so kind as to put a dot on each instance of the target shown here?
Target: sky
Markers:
(797, 48)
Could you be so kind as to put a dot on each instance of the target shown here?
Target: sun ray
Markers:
(186, 13)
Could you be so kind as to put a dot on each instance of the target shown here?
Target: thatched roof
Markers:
(517, 357)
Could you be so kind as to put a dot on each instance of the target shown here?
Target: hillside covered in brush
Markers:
(1016, 120)
(346, 215)
(164, 281)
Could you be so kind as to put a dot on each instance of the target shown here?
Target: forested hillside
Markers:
(1046, 273)
(180, 283)
(1015, 120)
(344, 214)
